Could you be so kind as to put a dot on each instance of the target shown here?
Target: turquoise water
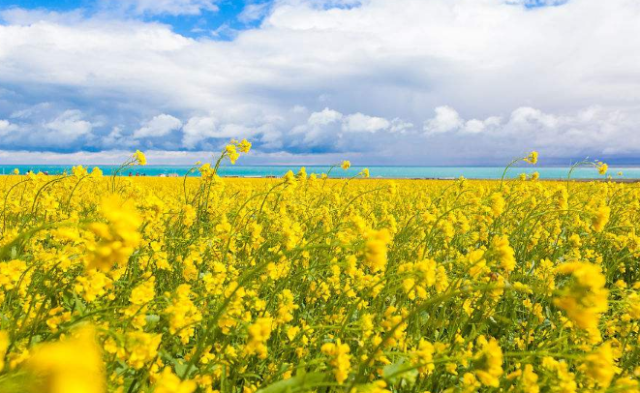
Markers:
(407, 172)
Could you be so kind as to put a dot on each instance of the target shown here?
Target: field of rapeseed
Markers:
(203, 284)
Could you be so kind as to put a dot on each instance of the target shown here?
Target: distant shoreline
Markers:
(269, 177)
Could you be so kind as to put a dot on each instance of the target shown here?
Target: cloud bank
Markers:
(390, 82)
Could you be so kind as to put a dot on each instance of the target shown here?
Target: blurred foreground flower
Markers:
(72, 365)
(140, 157)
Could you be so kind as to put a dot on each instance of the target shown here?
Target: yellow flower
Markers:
(72, 365)
(340, 359)
(79, 171)
(345, 165)
(140, 158)
(4, 345)
(141, 348)
(601, 218)
(488, 362)
(119, 237)
(600, 365)
(170, 383)
(602, 168)
(259, 333)
(529, 380)
(503, 252)
(10, 273)
(286, 307)
(232, 153)
(183, 314)
(423, 357)
(244, 146)
(376, 250)
(584, 299)
(96, 172)
(143, 293)
(532, 158)
(497, 204)
(633, 305)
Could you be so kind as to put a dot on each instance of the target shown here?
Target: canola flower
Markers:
(72, 365)
(307, 283)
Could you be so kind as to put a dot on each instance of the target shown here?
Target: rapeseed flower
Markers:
(118, 237)
(584, 298)
(199, 284)
(140, 158)
(72, 365)
(532, 158)
(488, 362)
(340, 359)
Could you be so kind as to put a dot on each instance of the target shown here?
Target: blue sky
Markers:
(419, 82)
(224, 20)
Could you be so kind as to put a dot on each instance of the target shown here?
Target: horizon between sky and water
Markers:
(385, 172)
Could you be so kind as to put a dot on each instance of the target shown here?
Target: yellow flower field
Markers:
(203, 284)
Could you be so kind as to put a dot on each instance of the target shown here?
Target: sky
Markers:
(379, 82)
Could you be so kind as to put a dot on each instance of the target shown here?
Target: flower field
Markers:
(203, 284)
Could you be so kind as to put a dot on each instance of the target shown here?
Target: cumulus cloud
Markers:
(64, 129)
(324, 117)
(380, 66)
(447, 119)
(363, 123)
(198, 129)
(160, 125)
(475, 126)
(70, 125)
(6, 127)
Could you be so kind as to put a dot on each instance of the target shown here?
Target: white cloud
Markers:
(202, 128)
(331, 130)
(447, 119)
(475, 126)
(363, 123)
(383, 59)
(198, 129)
(527, 117)
(326, 116)
(158, 7)
(572, 133)
(6, 127)
(160, 125)
(253, 12)
(69, 126)
(536, 3)
(159, 157)
(400, 126)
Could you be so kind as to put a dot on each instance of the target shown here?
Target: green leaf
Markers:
(400, 372)
(299, 383)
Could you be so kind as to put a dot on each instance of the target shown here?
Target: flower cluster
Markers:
(308, 283)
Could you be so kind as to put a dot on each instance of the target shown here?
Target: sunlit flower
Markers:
(602, 168)
(532, 158)
(340, 359)
(584, 298)
(140, 158)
